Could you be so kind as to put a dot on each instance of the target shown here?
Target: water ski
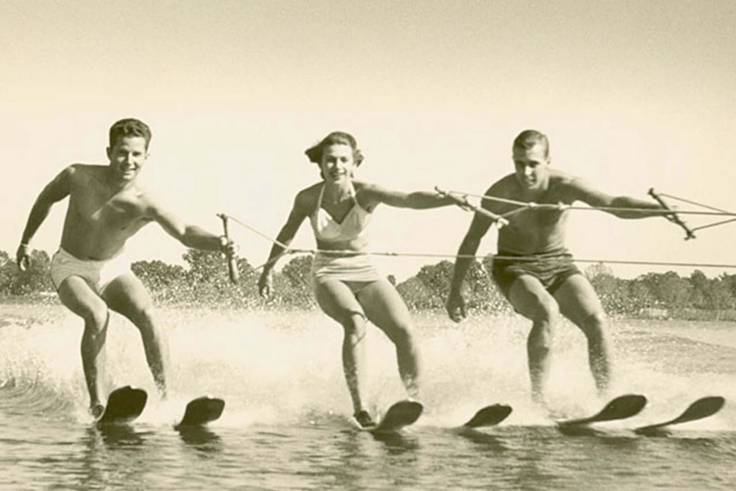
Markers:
(488, 416)
(123, 406)
(201, 411)
(702, 408)
(621, 407)
(399, 415)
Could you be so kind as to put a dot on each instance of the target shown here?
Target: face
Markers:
(127, 157)
(337, 162)
(532, 167)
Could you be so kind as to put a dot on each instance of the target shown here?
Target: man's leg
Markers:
(530, 299)
(579, 303)
(78, 296)
(127, 296)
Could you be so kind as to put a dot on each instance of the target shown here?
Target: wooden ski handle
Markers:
(232, 264)
(673, 218)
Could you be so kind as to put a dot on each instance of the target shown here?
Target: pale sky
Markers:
(632, 94)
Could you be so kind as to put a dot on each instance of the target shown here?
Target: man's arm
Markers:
(581, 191)
(469, 247)
(58, 189)
(191, 236)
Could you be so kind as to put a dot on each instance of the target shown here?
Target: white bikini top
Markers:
(352, 226)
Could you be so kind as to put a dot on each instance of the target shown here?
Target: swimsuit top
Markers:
(328, 229)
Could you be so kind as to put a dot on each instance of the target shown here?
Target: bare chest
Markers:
(101, 209)
(533, 219)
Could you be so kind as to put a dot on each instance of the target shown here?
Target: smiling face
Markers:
(337, 163)
(127, 157)
(532, 166)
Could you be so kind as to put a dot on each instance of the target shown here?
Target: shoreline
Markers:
(658, 314)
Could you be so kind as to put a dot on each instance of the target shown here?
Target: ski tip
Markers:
(399, 415)
(712, 403)
(489, 416)
(700, 409)
(124, 404)
(621, 407)
(201, 411)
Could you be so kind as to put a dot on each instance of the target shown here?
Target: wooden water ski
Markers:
(398, 416)
(488, 416)
(702, 408)
(621, 407)
(201, 411)
(123, 406)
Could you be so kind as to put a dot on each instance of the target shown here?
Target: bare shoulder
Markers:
(84, 172)
(150, 203)
(306, 199)
(365, 187)
(562, 181)
(79, 178)
(570, 188)
(369, 195)
(556, 176)
(506, 187)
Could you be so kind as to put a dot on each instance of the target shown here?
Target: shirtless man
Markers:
(544, 281)
(90, 271)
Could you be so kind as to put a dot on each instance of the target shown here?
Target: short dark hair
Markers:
(528, 138)
(129, 127)
(314, 153)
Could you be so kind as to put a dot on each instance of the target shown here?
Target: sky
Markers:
(632, 95)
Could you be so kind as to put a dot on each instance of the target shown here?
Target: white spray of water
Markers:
(285, 367)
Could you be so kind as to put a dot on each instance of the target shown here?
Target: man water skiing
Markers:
(535, 271)
(90, 271)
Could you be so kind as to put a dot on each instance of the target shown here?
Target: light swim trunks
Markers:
(98, 274)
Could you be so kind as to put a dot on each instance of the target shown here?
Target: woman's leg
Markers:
(338, 301)
(386, 309)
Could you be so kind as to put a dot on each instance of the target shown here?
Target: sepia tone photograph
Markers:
(386, 244)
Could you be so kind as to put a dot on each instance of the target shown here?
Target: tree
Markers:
(598, 269)
(35, 279)
(165, 281)
(293, 284)
(436, 279)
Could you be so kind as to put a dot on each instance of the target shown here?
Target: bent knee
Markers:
(140, 314)
(401, 334)
(545, 311)
(540, 337)
(354, 324)
(594, 326)
(95, 318)
(596, 320)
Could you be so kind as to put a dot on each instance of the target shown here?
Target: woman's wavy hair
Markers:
(314, 153)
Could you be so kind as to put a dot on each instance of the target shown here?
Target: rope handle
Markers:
(232, 264)
(673, 217)
(466, 205)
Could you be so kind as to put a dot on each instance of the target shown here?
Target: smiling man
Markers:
(535, 271)
(90, 270)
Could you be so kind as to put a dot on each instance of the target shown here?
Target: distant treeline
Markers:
(203, 280)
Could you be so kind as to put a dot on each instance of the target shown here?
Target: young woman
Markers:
(347, 286)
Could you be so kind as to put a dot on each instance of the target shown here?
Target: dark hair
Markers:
(528, 138)
(129, 127)
(314, 153)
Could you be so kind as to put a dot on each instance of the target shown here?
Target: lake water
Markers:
(286, 423)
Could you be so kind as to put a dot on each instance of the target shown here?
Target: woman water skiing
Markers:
(347, 286)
